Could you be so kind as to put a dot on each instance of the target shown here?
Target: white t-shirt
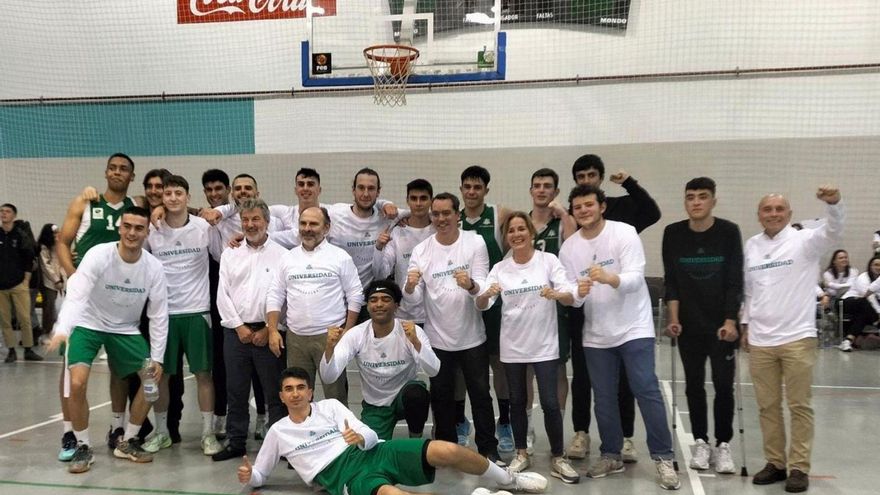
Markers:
(395, 256)
(318, 286)
(312, 445)
(106, 294)
(183, 253)
(837, 286)
(612, 317)
(386, 364)
(357, 236)
(451, 320)
(245, 275)
(529, 331)
(780, 280)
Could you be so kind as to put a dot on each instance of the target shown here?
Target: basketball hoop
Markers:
(390, 66)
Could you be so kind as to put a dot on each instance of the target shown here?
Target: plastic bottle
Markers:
(151, 388)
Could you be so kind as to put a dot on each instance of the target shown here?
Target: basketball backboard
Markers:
(458, 41)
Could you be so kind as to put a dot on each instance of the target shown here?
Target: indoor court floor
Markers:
(846, 399)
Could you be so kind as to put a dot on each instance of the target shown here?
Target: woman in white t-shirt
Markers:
(530, 282)
(860, 307)
(839, 276)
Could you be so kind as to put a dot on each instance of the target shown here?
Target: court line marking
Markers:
(119, 489)
(57, 417)
(684, 442)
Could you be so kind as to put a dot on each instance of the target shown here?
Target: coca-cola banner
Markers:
(194, 11)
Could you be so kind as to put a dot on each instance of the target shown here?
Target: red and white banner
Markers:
(195, 11)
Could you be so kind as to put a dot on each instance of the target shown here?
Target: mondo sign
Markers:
(195, 11)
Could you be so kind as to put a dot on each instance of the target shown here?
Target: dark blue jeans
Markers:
(637, 356)
(545, 373)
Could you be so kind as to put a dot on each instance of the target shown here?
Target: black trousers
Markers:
(694, 349)
(474, 363)
(242, 362)
(581, 388)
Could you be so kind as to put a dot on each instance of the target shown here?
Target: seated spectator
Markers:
(861, 309)
(839, 276)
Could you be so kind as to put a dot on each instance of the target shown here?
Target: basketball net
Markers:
(390, 66)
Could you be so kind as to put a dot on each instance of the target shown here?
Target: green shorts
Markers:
(125, 353)
(382, 419)
(402, 461)
(564, 338)
(492, 321)
(189, 334)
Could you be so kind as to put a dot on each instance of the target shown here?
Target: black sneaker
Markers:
(131, 449)
(114, 436)
(11, 357)
(68, 447)
(31, 355)
(769, 475)
(229, 452)
(82, 459)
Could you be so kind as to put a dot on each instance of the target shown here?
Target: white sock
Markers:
(131, 431)
(497, 474)
(207, 423)
(82, 437)
(118, 419)
(68, 426)
(161, 421)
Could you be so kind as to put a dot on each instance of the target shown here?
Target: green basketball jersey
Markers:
(99, 224)
(549, 239)
(486, 226)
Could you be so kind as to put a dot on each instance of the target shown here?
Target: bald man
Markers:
(779, 329)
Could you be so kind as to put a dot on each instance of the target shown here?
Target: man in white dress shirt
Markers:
(779, 329)
(390, 353)
(319, 284)
(245, 274)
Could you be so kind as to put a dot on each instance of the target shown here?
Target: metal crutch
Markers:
(739, 412)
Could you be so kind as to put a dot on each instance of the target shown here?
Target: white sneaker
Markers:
(628, 453)
(156, 442)
(845, 345)
(666, 475)
(702, 455)
(486, 491)
(724, 460)
(579, 446)
(519, 463)
(561, 468)
(210, 445)
(527, 482)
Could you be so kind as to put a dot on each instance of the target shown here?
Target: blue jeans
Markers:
(637, 357)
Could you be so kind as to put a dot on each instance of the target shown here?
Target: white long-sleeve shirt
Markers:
(357, 236)
(836, 286)
(780, 280)
(452, 321)
(183, 252)
(245, 275)
(529, 331)
(312, 445)
(612, 316)
(860, 287)
(394, 258)
(229, 227)
(318, 286)
(107, 294)
(386, 364)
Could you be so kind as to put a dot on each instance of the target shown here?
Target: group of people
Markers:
(853, 296)
(429, 290)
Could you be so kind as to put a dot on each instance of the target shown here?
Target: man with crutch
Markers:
(779, 330)
(703, 261)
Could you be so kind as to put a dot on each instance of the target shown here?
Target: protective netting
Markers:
(761, 96)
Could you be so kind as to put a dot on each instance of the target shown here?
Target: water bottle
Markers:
(151, 388)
